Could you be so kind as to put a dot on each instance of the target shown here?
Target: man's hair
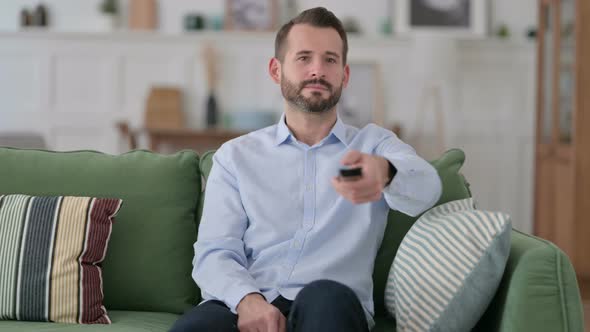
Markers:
(318, 17)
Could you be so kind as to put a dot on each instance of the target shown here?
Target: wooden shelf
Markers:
(179, 138)
(246, 36)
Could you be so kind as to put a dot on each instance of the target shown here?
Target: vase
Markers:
(142, 14)
(212, 111)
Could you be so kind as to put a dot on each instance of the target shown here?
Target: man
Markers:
(284, 244)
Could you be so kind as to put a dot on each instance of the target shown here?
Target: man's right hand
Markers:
(257, 315)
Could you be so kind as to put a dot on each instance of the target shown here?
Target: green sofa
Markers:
(147, 270)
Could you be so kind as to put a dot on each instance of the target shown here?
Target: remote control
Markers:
(350, 174)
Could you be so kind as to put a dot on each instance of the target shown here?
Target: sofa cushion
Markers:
(205, 164)
(51, 248)
(448, 267)
(122, 321)
(148, 264)
(454, 187)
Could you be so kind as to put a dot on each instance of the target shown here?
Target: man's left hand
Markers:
(375, 175)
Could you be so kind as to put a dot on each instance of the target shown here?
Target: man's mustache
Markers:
(316, 81)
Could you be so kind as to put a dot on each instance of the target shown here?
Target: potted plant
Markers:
(109, 10)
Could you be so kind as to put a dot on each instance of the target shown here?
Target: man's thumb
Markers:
(351, 157)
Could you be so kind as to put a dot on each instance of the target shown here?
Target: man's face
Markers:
(312, 72)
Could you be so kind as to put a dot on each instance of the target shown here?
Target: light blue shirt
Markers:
(272, 221)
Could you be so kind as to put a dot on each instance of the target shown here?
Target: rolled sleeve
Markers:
(416, 186)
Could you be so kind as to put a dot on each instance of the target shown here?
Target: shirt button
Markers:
(309, 187)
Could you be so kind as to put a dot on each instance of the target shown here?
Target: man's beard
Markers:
(314, 104)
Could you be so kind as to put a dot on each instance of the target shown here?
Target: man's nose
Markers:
(317, 70)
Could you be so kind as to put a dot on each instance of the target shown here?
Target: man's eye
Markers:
(331, 60)
(303, 58)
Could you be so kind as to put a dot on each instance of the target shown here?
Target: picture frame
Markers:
(362, 100)
(251, 15)
(463, 18)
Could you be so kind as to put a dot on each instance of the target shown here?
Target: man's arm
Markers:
(411, 186)
(220, 261)
(219, 266)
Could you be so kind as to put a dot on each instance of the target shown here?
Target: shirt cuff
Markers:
(413, 189)
(236, 296)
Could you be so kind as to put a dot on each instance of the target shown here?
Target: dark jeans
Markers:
(322, 306)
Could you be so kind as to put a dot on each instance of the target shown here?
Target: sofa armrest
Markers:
(538, 292)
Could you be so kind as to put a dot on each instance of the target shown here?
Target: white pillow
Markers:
(448, 267)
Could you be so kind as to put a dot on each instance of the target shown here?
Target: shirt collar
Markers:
(283, 132)
(339, 130)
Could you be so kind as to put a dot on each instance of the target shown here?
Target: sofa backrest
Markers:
(454, 187)
(149, 257)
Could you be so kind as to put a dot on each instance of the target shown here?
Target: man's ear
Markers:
(274, 69)
(346, 76)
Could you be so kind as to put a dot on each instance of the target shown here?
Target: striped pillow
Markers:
(50, 254)
(447, 268)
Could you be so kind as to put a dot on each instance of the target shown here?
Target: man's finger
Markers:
(336, 183)
(351, 157)
(351, 185)
(368, 197)
(272, 323)
(282, 324)
(345, 188)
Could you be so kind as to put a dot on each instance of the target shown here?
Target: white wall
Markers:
(73, 87)
(79, 15)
